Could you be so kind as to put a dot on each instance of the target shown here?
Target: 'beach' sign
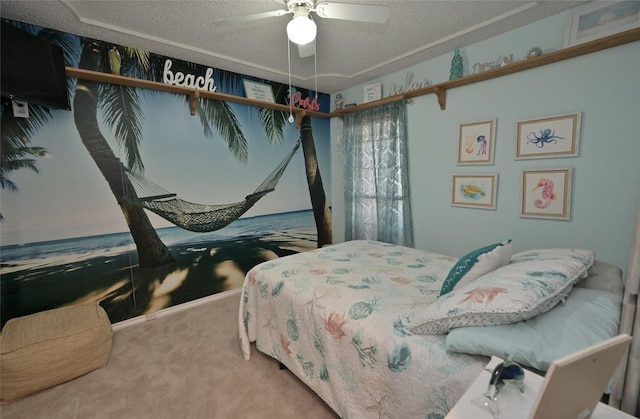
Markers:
(188, 80)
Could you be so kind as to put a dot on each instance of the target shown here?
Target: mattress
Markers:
(339, 318)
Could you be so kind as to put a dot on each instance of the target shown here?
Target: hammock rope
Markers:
(191, 216)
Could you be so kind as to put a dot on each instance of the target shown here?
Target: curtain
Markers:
(625, 393)
(377, 200)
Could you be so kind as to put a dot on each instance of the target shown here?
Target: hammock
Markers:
(191, 216)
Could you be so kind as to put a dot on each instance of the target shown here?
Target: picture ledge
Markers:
(439, 89)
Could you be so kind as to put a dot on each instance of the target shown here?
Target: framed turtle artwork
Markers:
(474, 191)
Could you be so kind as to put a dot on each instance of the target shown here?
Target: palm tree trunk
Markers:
(321, 212)
(152, 251)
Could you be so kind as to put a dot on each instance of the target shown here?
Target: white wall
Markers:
(604, 86)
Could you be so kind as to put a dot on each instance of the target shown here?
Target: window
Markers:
(377, 199)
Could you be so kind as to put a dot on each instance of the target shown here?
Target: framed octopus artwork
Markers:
(476, 142)
(546, 193)
(553, 136)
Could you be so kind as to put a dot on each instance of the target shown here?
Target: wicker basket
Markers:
(44, 349)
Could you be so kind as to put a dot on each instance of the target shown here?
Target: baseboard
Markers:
(173, 309)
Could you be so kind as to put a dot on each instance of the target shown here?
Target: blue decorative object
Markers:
(534, 52)
(456, 66)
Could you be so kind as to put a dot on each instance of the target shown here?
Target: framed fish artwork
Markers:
(546, 193)
(474, 191)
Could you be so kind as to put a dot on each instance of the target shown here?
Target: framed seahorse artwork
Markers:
(476, 142)
(546, 193)
(549, 137)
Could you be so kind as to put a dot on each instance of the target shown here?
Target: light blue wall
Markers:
(604, 86)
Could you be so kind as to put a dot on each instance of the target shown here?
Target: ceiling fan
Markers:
(302, 29)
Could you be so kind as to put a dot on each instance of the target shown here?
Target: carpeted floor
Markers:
(186, 364)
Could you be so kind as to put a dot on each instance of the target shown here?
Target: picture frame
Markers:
(549, 137)
(372, 92)
(474, 191)
(599, 19)
(546, 193)
(476, 143)
(258, 91)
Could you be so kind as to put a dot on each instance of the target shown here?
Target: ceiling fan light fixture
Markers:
(301, 30)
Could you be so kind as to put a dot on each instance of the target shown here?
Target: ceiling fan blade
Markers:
(307, 50)
(357, 12)
(249, 18)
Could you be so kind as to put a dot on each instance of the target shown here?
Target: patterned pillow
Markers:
(477, 263)
(584, 255)
(512, 293)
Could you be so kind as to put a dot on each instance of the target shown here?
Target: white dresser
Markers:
(520, 404)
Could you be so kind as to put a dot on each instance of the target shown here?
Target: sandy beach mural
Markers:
(68, 232)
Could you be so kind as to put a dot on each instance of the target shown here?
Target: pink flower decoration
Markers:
(334, 324)
(252, 277)
(318, 271)
(482, 295)
(401, 280)
(285, 344)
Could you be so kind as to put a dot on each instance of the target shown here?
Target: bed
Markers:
(379, 330)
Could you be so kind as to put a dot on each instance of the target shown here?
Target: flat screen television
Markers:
(32, 69)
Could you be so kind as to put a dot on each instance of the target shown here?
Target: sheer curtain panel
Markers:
(376, 171)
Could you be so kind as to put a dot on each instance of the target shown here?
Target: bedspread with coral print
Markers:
(340, 317)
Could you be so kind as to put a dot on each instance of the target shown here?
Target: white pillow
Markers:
(512, 293)
(586, 256)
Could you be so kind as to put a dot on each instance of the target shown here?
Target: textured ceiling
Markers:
(348, 53)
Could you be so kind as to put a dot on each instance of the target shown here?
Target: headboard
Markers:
(607, 278)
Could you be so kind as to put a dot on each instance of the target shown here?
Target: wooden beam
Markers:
(192, 93)
(440, 89)
(299, 117)
(193, 102)
(441, 92)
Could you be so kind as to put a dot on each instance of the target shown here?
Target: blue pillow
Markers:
(587, 317)
(477, 263)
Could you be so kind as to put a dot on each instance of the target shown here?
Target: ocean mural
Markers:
(70, 233)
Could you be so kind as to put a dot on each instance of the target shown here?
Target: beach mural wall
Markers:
(74, 228)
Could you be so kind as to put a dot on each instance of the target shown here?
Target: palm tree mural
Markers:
(121, 107)
(15, 152)
(122, 112)
(274, 122)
